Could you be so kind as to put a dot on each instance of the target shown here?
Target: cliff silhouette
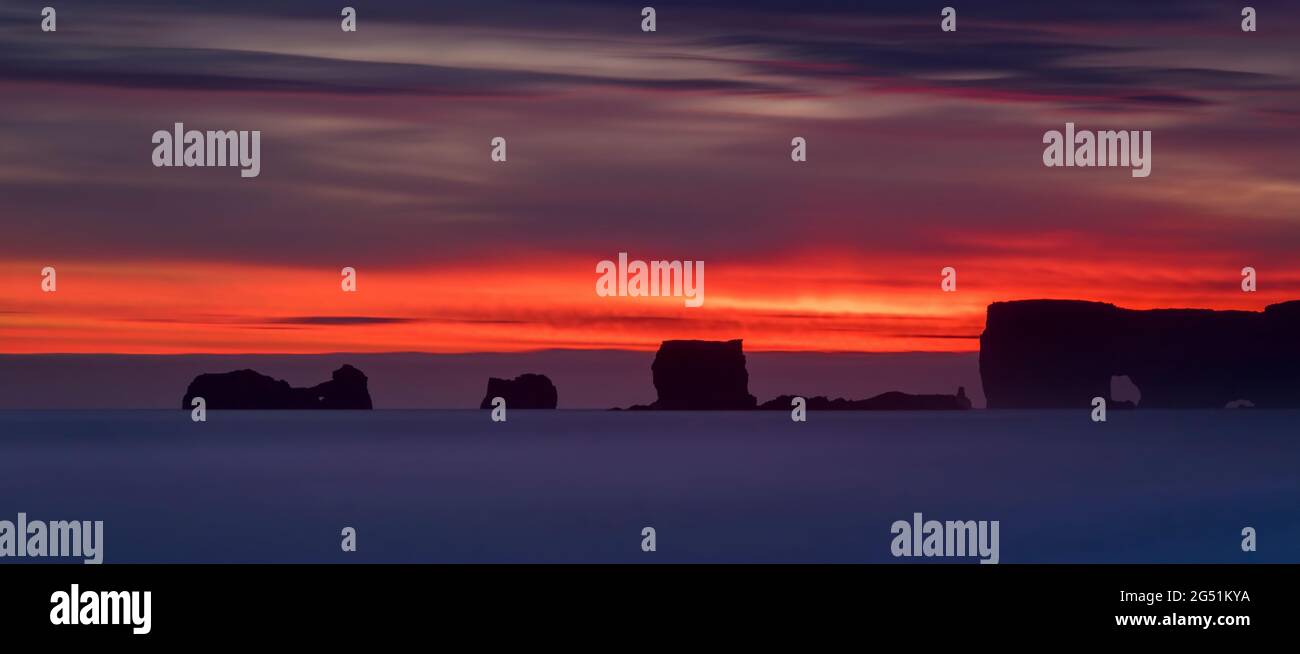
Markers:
(251, 390)
(527, 391)
(1063, 353)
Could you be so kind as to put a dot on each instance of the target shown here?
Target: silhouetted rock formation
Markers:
(527, 391)
(891, 401)
(711, 375)
(248, 389)
(701, 376)
(1062, 353)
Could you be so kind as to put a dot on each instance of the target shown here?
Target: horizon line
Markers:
(467, 353)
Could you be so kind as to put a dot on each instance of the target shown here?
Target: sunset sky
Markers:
(924, 151)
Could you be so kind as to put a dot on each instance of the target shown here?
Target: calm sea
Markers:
(570, 486)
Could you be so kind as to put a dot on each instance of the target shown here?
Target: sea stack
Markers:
(527, 391)
(701, 376)
(251, 390)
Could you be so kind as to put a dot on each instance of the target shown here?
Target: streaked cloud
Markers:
(924, 152)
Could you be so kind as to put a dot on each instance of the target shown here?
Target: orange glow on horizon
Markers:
(823, 303)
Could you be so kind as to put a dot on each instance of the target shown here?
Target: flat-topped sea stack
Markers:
(527, 391)
(251, 390)
(1063, 353)
(701, 376)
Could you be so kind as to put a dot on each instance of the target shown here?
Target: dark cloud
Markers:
(931, 55)
(560, 13)
(594, 167)
(195, 69)
(1035, 69)
(340, 320)
(1169, 99)
(1021, 54)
